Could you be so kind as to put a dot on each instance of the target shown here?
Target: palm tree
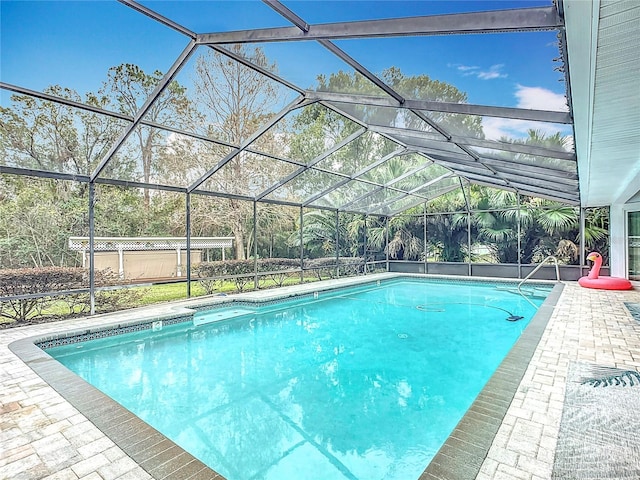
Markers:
(404, 233)
(546, 227)
(596, 232)
(447, 233)
(319, 234)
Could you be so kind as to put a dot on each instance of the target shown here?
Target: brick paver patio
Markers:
(587, 325)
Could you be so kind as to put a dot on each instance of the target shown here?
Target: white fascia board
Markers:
(581, 27)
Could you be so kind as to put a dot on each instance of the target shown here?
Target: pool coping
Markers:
(461, 456)
(149, 448)
(463, 453)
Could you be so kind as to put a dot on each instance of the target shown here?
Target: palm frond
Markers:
(609, 377)
(558, 219)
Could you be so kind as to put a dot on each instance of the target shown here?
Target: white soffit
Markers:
(603, 43)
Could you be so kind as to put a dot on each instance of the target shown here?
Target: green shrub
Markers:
(241, 272)
(33, 281)
(210, 273)
(282, 268)
(106, 300)
(326, 266)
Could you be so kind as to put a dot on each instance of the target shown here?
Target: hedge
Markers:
(326, 266)
(33, 281)
(28, 281)
(213, 274)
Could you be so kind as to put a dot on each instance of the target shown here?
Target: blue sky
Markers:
(74, 43)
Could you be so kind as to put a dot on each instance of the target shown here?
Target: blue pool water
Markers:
(365, 383)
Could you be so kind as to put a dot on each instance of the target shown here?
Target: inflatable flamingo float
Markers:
(594, 280)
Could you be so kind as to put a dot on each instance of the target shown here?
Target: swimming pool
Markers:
(361, 383)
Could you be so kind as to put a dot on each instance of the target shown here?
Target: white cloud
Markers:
(538, 98)
(496, 128)
(494, 71)
(467, 69)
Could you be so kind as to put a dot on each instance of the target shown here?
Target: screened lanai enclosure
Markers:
(325, 138)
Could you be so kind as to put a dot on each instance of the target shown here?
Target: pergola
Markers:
(431, 137)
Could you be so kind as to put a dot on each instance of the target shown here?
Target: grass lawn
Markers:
(167, 292)
(178, 291)
(143, 296)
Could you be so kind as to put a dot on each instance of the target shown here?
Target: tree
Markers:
(596, 232)
(128, 86)
(405, 242)
(45, 135)
(318, 123)
(276, 223)
(36, 218)
(319, 234)
(547, 227)
(38, 215)
(447, 236)
(422, 87)
(236, 101)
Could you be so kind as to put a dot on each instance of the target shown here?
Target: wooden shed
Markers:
(147, 257)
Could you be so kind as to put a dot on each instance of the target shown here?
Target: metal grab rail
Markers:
(540, 265)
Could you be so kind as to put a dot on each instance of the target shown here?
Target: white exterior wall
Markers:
(618, 238)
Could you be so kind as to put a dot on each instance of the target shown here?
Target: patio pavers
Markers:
(41, 434)
(587, 325)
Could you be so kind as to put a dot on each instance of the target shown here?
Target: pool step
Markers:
(527, 292)
(217, 315)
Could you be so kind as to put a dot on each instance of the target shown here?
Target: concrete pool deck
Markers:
(44, 436)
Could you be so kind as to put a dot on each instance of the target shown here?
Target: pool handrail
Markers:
(538, 267)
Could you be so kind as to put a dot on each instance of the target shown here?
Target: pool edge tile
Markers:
(101, 410)
(451, 462)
